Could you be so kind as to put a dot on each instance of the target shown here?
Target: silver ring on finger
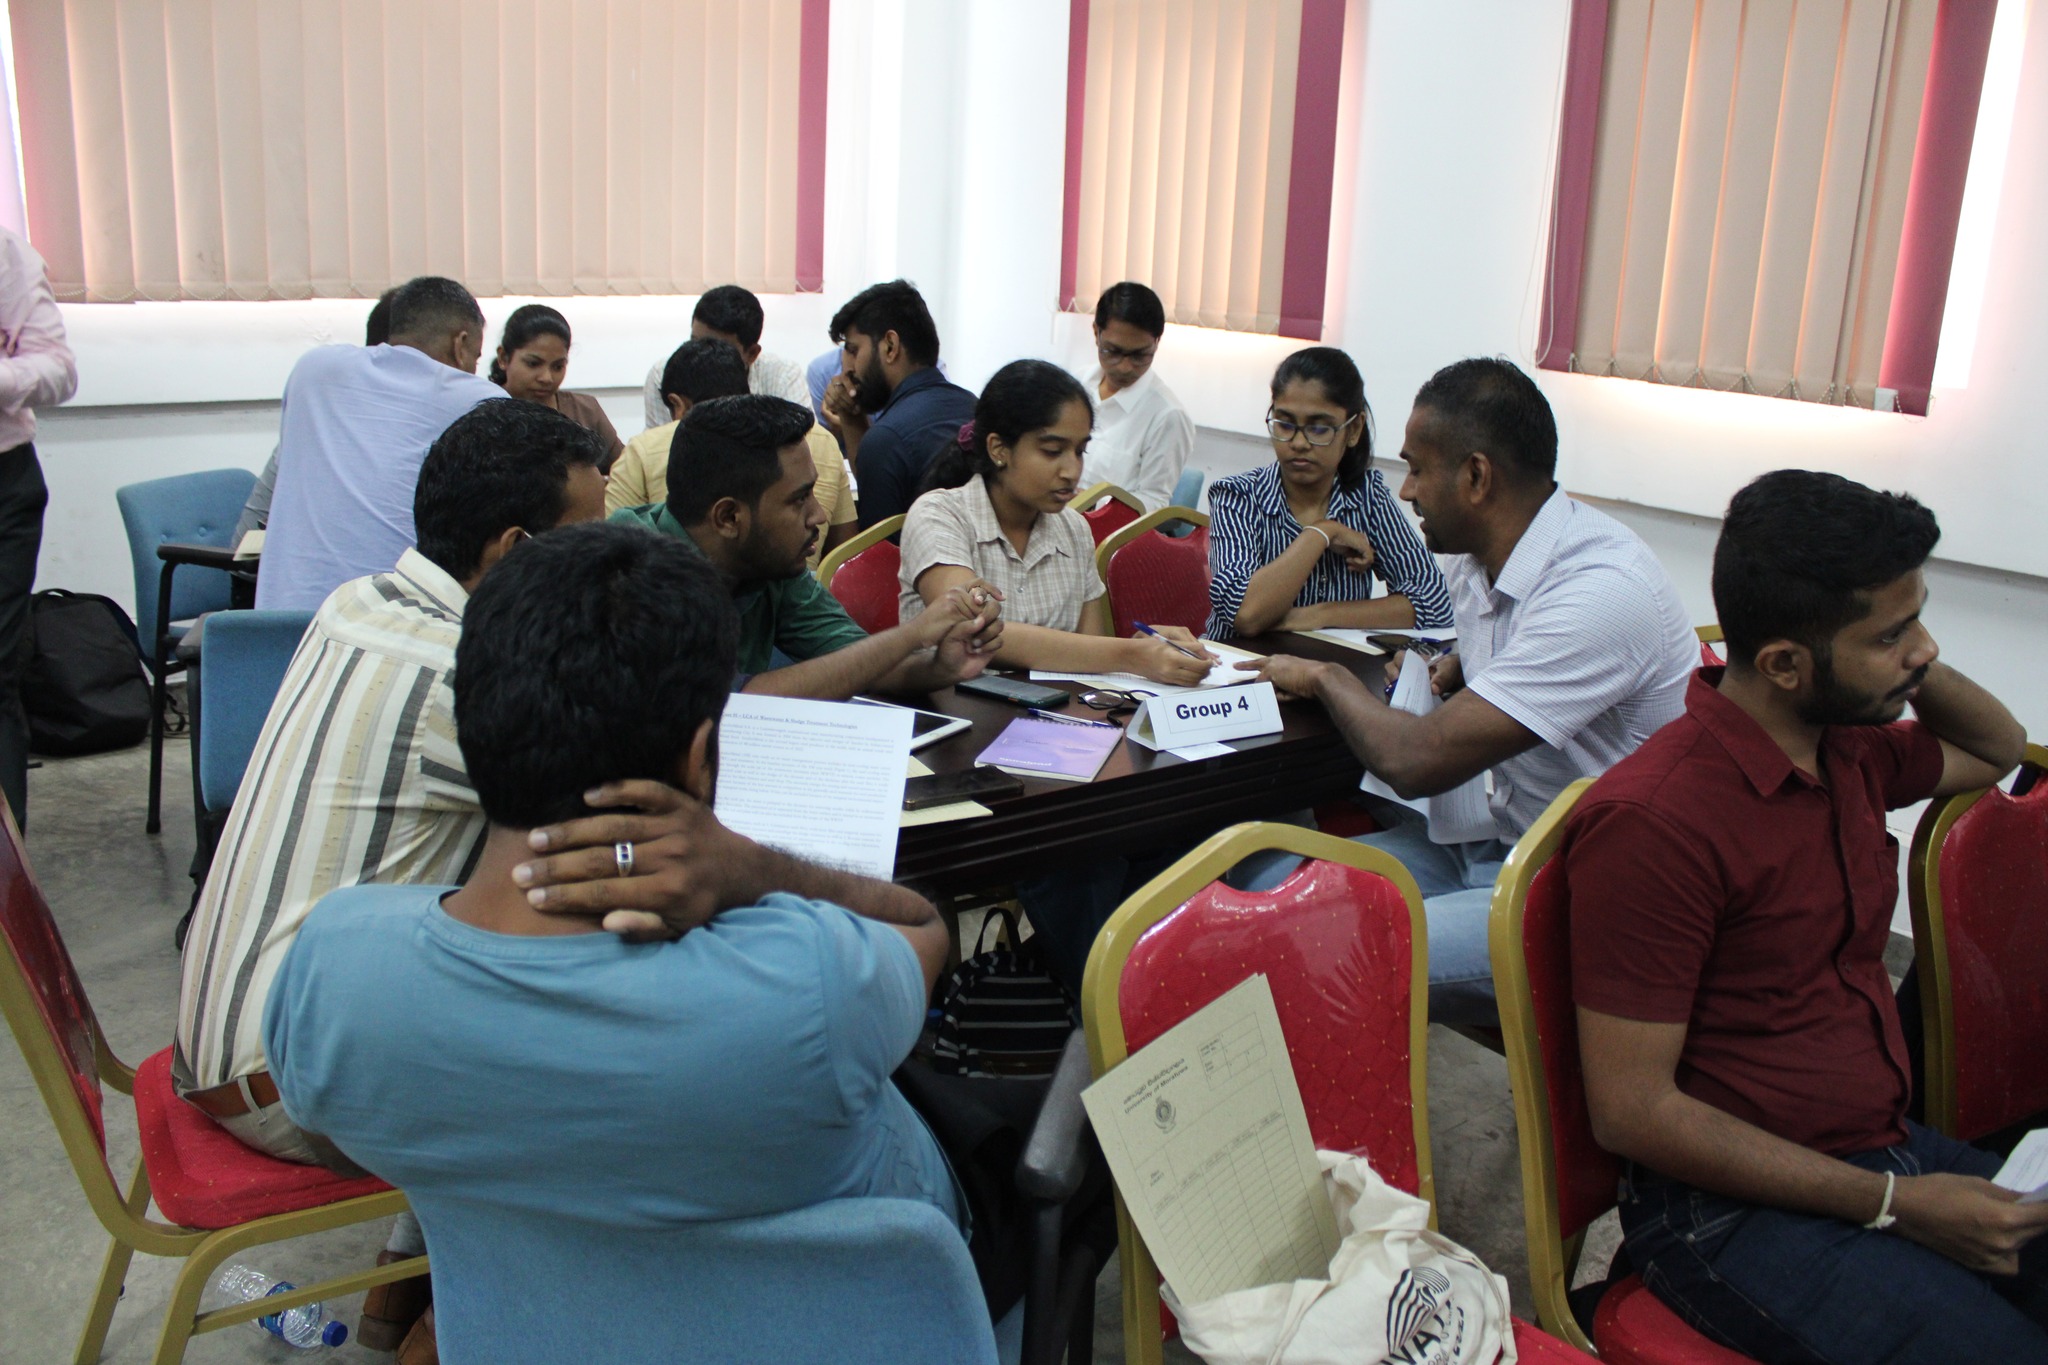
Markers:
(622, 855)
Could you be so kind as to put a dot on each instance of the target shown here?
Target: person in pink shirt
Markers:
(36, 370)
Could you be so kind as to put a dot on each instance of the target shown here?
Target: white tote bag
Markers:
(1396, 1292)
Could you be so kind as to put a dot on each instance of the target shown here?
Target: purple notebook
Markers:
(1031, 747)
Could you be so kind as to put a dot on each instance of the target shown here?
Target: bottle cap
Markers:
(333, 1333)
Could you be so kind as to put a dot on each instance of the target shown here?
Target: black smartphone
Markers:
(1014, 692)
(974, 784)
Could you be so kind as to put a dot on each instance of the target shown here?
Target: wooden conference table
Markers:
(1141, 802)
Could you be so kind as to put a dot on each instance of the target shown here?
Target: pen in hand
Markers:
(1144, 629)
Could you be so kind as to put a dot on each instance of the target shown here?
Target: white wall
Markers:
(947, 125)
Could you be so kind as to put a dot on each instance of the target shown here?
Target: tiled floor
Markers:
(117, 893)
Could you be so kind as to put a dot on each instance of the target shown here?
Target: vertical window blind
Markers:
(279, 149)
(1761, 195)
(1201, 140)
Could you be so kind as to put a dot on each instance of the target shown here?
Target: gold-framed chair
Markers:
(862, 574)
(223, 1197)
(1977, 886)
(1345, 924)
(1163, 580)
(1108, 509)
(1568, 1179)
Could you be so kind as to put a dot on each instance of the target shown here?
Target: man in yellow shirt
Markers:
(706, 369)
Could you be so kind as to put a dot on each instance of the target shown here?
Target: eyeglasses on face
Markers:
(1114, 354)
(1318, 433)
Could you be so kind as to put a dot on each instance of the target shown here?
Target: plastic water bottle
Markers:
(307, 1327)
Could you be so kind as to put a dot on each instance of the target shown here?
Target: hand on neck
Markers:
(491, 900)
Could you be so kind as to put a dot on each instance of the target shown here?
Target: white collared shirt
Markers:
(769, 374)
(1582, 639)
(1142, 440)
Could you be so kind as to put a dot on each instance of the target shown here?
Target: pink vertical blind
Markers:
(1201, 139)
(1733, 192)
(277, 149)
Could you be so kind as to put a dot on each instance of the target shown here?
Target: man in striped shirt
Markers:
(356, 776)
(1573, 648)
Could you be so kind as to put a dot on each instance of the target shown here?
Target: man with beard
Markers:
(742, 493)
(1731, 888)
(1573, 648)
(893, 408)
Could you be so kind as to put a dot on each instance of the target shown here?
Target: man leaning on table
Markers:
(1573, 648)
(742, 492)
(1731, 888)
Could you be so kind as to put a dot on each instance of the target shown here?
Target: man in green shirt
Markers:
(740, 494)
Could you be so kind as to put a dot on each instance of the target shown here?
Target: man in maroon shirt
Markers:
(1732, 887)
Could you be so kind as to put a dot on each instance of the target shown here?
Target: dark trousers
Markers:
(1789, 1287)
(22, 498)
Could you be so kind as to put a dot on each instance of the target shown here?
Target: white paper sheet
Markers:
(822, 780)
(1460, 815)
(1204, 1131)
(2026, 1170)
(1224, 673)
(1193, 752)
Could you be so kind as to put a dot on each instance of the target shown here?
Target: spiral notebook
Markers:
(1030, 747)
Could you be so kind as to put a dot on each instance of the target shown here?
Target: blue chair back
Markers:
(243, 657)
(1188, 489)
(853, 1281)
(190, 509)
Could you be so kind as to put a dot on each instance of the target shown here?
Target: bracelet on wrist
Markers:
(1884, 1217)
(1328, 544)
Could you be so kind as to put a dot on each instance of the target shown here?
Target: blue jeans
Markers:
(1456, 881)
(1791, 1287)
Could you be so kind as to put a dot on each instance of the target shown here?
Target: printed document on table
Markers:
(2026, 1171)
(1205, 1134)
(1223, 673)
(822, 780)
(1459, 815)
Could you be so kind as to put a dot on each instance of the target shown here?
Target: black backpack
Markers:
(1000, 1013)
(84, 687)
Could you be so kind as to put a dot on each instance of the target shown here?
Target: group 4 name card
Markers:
(1207, 717)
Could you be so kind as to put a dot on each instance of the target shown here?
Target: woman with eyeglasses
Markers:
(1142, 434)
(1296, 545)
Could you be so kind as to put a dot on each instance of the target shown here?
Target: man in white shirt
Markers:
(36, 369)
(355, 424)
(1142, 434)
(1573, 648)
(733, 315)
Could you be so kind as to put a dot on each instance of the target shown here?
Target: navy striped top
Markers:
(1250, 527)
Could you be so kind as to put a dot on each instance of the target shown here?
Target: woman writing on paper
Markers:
(995, 509)
(1296, 545)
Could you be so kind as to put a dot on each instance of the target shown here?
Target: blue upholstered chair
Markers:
(1188, 489)
(198, 511)
(853, 1281)
(244, 657)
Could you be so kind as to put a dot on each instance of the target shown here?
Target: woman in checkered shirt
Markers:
(995, 511)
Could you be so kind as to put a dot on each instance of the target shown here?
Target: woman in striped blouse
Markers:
(1296, 545)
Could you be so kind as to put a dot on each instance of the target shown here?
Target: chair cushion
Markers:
(1535, 1346)
(1633, 1327)
(203, 1177)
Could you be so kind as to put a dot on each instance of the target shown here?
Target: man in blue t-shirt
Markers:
(508, 1067)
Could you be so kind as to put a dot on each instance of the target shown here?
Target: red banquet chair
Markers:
(1568, 1179)
(1709, 636)
(1978, 887)
(1108, 509)
(220, 1196)
(1152, 577)
(1342, 942)
(862, 574)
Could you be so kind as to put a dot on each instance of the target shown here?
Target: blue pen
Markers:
(1144, 629)
(1070, 720)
